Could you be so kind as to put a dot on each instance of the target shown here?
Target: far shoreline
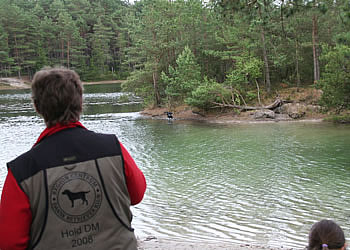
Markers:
(9, 83)
(187, 113)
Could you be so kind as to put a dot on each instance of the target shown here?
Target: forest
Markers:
(194, 52)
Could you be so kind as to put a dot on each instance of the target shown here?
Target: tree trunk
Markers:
(257, 86)
(62, 51)
(17, 56)
(155, 75)
(315, 49)
(68, 47)
(266, 62)
(281, 17)
(155, 87)
(277, 103)
(297, 63)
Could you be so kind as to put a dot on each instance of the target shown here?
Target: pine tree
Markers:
(183, 79)
(5, 60)
(71, 43)
(100, 42)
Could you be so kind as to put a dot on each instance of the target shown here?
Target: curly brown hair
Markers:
(57, 95)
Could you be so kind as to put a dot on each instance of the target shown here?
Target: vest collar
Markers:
(56, 128)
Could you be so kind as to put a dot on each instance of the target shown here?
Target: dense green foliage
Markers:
(336, 77)
(174, 52)
(339, 119)
(83, 35)
(182, 80)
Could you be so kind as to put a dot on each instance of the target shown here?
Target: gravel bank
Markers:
(153, 243)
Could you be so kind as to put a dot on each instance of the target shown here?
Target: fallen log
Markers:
(277, 103)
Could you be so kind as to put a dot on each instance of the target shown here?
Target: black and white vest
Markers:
(76, 185)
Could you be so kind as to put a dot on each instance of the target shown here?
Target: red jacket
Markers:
(15, 213)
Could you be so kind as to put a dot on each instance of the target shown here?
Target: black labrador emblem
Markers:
(76, 196)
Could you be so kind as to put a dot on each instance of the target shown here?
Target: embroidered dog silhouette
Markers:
(76, 196)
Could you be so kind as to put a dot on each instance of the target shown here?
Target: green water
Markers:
(261, 184)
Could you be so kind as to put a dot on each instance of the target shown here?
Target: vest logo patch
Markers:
(76, 197)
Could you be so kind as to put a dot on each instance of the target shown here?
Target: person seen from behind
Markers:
(326, 235)
(73, 189)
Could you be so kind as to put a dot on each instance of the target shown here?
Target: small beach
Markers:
(153, 243)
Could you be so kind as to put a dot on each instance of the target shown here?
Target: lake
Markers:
(262, 184)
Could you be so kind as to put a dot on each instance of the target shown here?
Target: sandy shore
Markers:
(153, 243)
(15, 83)
(104, 82)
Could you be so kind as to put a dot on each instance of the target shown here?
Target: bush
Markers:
(335, 81)
(339, 119)
(243, 78)
(183, 79)
(140, 82)
(206, 94)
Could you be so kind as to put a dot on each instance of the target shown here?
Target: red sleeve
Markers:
(135, 180)
(15, 216)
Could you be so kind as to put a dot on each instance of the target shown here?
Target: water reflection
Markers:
(258, 184)
(110, 103)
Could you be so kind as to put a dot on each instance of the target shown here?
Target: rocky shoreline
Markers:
(228, 117)
(288, 105)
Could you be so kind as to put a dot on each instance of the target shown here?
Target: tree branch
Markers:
(277, 103)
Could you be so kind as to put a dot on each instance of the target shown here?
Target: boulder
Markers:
(264, 113)
(282, 117)
(294, 110)
(314, 108)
